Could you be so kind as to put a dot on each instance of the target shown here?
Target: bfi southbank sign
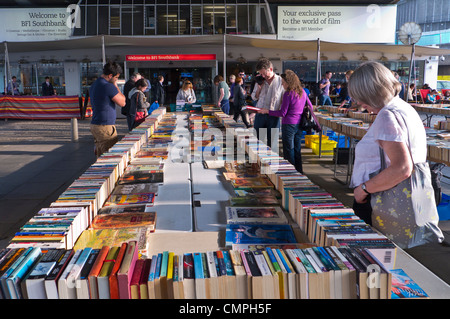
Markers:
(39, 24)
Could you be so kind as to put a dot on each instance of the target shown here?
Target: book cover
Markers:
(259, 234)
(126, 270)
(51, 281)
(113, 283)
(244, 183)
(119, 209)
(255, 215)
(141, 177)
(139, 188)
(403, 287)
(135, 292)
(131, 199)
(103, 276)
(254, 201)
(125, 220)
(95, 270)
(82, 281)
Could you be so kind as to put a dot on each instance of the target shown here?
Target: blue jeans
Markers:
(291, 136)
(266, 123)
(225, 106)
(325, 100)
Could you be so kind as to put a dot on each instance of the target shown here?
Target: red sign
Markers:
(170, 57)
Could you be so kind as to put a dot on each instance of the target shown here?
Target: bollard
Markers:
(74, 125)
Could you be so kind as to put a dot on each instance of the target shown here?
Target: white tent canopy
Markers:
(240, 40)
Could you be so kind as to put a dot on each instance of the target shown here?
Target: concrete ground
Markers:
(39, 161)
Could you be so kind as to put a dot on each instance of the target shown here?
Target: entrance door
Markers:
(174, 77)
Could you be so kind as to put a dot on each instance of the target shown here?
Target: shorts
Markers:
(105, 136)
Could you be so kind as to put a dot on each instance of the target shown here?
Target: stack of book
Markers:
(270, 271)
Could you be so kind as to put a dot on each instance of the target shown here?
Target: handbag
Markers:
(407, 213)
(308, 121)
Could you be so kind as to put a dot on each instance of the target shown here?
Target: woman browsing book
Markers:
(292, 105)
(138, 104)
(186, 93)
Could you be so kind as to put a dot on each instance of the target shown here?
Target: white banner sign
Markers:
(346, 24)
(35, 24)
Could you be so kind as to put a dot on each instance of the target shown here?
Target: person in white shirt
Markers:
(397, 129)
(269, 97)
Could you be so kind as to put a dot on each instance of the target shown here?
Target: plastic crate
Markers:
(341, 140)
(444, 208)
(327, 147)
(309, 139)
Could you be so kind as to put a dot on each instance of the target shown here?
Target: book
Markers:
(9, 262)
(82, 281)
(128, 189)
(131, 199)
(403, 287)
(63, 284)
(125, 220)
(259, 234)
(254, 201)
(133, 177)
(35, 283)
(188, 276)
(135, 292)
(249, 183)
(113, 282)
(51, 281)
(119, 209)
(255, 215)
(126, 270)
(19, 272)
(143, 289)
(95, 270)
(103, 276)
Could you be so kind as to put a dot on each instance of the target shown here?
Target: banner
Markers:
(35, 24)
(343, 24)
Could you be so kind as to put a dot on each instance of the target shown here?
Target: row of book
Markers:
(59, 225)
(297, 271)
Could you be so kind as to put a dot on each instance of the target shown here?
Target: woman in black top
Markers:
(239, 101)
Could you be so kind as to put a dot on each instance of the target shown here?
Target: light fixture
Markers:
(241, 60)
(293, 57)
(302, 57)
(23, 61)
(383, 58)
(403, 58)
(230, 55)
(86, 60)
(43, 61)
(343, 58)
(363, 57)
(323, 57)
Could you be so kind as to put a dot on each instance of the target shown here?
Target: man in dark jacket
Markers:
(47, 87)
(158, 93)
(127, 88)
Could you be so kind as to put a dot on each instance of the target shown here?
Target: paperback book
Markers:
(259, 234)
(255, 215)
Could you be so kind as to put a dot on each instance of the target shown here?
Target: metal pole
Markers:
(74, 127)
(37, 83)
(410, 71)
(103, 50)
(224, 56)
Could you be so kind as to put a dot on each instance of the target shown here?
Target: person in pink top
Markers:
(291, 109)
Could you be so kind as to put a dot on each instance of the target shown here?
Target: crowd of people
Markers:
(391, 153)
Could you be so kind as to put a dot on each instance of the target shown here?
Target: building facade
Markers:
(166, 28)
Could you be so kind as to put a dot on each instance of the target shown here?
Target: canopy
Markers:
(111, 41)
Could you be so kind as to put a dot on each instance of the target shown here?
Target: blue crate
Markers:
(341, 140)
(444, 208)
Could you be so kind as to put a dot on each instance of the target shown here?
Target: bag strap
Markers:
(382, 158)
(308, 103)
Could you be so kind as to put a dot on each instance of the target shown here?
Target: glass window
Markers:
(231, 19)
(103, 17)
(219, 19)
(91, 20)
(185, 19)
(172, 19)
(114, 20)
(196, 19)
(161, 17)
(150, 21)
(208, 19)
(127, 18)
(242, 18)
(254, 19)
(138, 19)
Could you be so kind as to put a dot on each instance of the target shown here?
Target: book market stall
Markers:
(191, 205)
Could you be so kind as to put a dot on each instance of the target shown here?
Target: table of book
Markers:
(189, 222)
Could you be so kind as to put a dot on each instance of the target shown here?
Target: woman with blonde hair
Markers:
(186, 93)
(391, 160)
(292, 105)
